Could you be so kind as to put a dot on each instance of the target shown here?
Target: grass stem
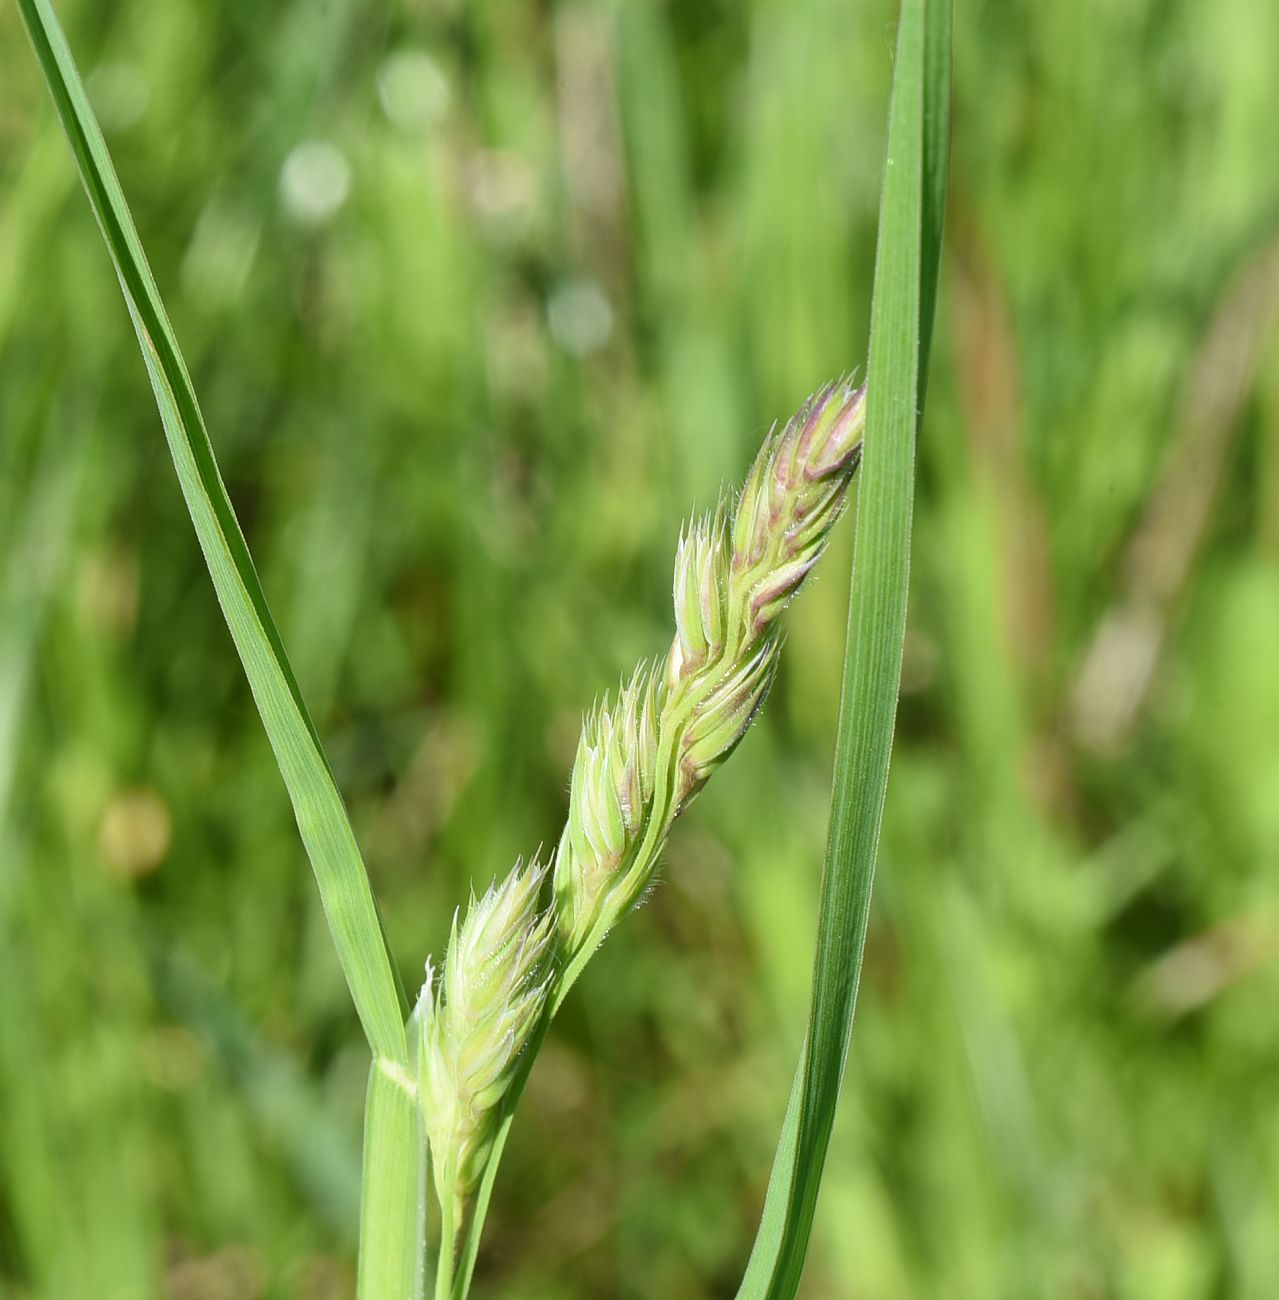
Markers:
(448, 1245)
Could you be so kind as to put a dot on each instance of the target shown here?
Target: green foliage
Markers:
(461, 480)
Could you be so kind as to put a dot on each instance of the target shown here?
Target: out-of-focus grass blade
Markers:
(41, 519)
(318, 1149)
(906, 264)
(936, 169)
(339, 869)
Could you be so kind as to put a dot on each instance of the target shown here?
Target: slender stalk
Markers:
(448, 1241)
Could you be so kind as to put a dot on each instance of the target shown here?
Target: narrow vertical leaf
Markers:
(392, 1201)
(906, 264)
(339, 869)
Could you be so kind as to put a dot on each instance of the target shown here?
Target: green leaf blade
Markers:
(906, 269)
(339, 869)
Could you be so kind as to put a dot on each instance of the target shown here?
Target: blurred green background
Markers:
(481, 299)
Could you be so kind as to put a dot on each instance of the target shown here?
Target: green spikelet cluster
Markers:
(643, 754)
(610, 799)
(643, 757)
(475, 1024)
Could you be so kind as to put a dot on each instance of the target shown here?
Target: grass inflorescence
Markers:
(642, 758)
